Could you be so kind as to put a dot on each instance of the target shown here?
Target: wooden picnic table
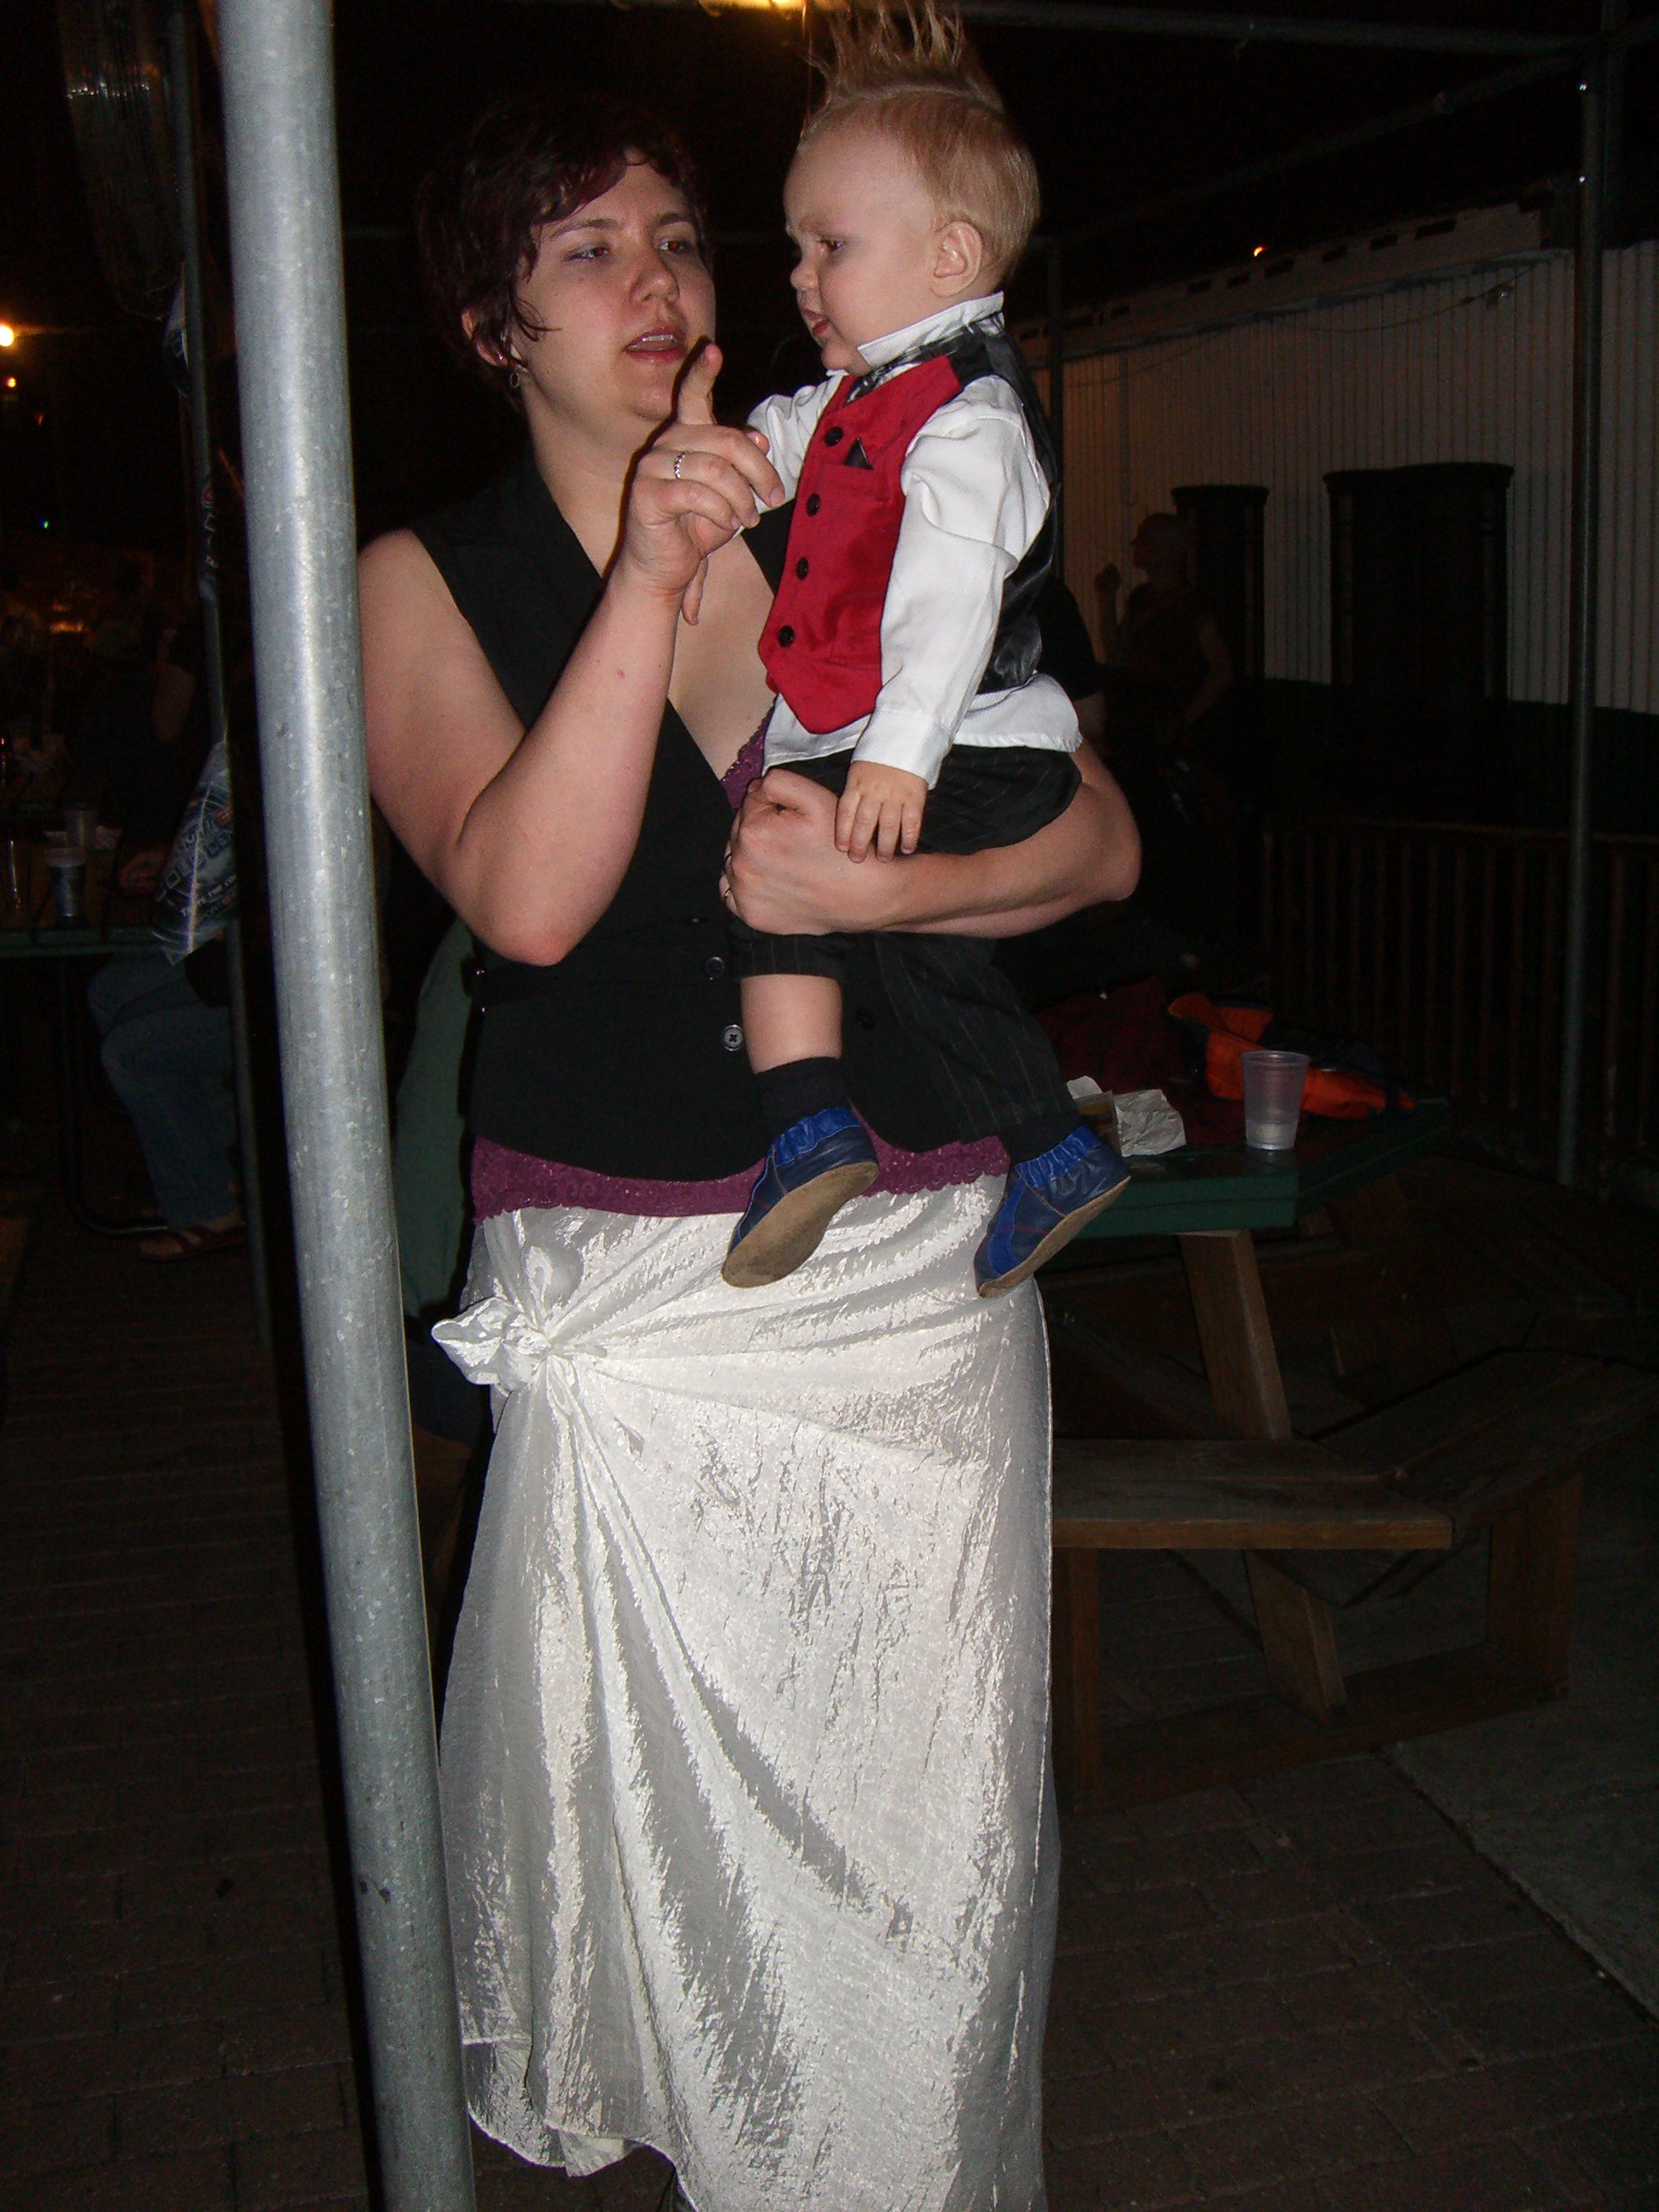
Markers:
(1501, 1446)
(1212, 1197)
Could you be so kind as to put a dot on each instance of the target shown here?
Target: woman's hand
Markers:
(693, 489)
(785, 875)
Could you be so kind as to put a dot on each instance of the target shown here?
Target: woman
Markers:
(1168, 733)
(744, 1741)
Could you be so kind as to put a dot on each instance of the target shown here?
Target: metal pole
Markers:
(286, 252)
(1582, 583)
(1057, 391)
(1613, 17)
(181, 99)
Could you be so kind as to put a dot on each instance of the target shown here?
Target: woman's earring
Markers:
(515, 380)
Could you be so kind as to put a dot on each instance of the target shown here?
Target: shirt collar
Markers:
(878, 352)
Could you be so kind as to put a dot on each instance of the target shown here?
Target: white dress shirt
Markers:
(975, 500)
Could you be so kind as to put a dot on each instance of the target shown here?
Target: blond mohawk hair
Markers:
(908, 68)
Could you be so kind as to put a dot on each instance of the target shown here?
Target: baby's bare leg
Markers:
(789, 1018)
(818, 1155)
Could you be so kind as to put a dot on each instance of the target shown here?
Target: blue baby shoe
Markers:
(1045, 1202)
(811, 1171)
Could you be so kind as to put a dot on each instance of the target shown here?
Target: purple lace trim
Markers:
(747, 769)
(503, 1180)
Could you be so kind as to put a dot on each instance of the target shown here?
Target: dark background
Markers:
(90, 442)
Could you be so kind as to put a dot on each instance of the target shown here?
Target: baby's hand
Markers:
(881, 808)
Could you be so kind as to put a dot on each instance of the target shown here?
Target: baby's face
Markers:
(868, 233)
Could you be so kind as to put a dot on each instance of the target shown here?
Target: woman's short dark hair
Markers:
(526, 163)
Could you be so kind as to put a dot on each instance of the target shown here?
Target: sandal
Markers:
(173, 1244)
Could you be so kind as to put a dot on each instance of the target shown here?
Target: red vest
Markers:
(821, 647)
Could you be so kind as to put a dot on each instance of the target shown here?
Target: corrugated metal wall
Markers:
(1472, 367)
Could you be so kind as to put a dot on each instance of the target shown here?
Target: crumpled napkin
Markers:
(1146, 1122)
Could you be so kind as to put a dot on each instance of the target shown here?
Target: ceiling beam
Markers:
(1174, 23)
(1324, 148)
(1537, 71)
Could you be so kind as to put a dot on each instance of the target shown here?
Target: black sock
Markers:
(788, 1094)
(1026, 1140)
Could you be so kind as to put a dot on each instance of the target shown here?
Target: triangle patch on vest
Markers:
(858, 458)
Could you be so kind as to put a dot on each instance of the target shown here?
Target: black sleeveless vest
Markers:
(626, 1058)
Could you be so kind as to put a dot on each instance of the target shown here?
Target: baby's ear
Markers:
(960, 259)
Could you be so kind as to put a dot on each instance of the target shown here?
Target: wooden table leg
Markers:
(1075, 1672)
(1529, 1582)
(1225, 1285)
(1299, 1640)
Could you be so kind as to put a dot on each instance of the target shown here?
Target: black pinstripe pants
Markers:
(992, 1062)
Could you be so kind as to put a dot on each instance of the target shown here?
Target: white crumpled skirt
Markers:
(751, 1850)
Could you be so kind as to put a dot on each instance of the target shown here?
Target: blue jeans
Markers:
(168, 1057)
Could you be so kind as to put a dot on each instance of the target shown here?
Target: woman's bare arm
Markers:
(786, 876)
(528, 833)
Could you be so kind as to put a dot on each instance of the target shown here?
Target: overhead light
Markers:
(1256, 253)
(8, 335)
(11, 383)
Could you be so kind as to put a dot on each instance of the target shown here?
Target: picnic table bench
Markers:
(1499, 1446)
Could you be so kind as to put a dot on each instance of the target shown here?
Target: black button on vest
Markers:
(813, 503)
(713, 967)
(802, 566)
(833, 437)
(786, 635)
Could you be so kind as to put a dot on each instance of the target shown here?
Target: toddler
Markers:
(902, 643)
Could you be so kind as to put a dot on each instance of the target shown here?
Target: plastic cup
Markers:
(68, 883)
(1274, 1083)
(80, 826)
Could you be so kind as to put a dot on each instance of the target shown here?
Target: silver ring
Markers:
(679, 458)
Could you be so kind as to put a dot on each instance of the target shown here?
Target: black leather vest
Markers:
(626, 1058)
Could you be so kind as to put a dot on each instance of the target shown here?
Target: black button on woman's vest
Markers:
(713, 967)
(732, 1037)
(834, 437)
(802, 566)
(864, 1017)
(813, 503)
(786, 635)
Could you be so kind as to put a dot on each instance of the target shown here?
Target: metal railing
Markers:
(1441, 944)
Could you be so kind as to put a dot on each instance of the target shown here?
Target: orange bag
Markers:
(1338, 1094)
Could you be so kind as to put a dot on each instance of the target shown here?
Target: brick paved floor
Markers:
(1313, 1995)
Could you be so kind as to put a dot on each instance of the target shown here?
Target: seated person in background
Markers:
(140, 741)
(163, 1015)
